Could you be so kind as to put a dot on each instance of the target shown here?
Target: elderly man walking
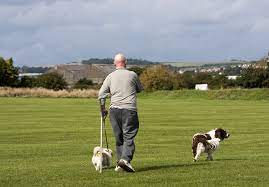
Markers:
(122, 85)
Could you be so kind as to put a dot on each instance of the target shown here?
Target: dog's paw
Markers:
(194, 160)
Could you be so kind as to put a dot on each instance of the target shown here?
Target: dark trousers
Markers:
(125, 126)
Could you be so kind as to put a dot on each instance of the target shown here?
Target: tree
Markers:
(265, 82)
(187, 80)
(254, 78)
(8, 73)
(51, 80)
(157, 78)
(202, 78)
(28, 69)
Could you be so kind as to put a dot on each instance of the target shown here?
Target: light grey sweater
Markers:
(123, 85)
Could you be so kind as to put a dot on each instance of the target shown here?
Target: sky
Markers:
(47, 32)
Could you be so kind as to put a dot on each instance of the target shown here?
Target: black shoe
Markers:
(126, 166)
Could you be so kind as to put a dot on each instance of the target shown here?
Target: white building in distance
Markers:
(203, 87)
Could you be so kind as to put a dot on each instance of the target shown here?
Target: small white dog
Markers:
(101, 158)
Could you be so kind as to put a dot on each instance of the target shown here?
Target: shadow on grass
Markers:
(235, 159)
(159, 167)
(193, 164)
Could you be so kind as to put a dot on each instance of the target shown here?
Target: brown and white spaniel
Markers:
(207, 142)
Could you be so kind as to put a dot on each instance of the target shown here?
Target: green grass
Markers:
(49, 142)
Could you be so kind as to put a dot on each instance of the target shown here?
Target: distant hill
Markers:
(229, 63)
(182, 64)
(195, 64)
(131, 61)
(205, 64)
(28, 69)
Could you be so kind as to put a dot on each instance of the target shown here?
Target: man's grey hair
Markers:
(120, 58)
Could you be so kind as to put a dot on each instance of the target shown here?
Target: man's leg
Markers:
(130, 126)
(115, 120)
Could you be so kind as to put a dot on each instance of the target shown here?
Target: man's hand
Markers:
(103, 108)
(104, 113)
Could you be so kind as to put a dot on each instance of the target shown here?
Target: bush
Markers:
(158, 78)
(27, 82)
(137, 70)
(51, 80)
(83, 84)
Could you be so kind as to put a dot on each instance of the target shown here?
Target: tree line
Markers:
(9, 76)
(153, 77)
(162, 77)
(131, 61)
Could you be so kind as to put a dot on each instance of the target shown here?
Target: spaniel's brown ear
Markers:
(218, 133)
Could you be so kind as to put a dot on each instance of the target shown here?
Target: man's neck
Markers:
(120, 66)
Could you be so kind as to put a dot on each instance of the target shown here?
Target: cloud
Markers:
(60, 31)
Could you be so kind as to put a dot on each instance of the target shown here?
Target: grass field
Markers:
(49, 142)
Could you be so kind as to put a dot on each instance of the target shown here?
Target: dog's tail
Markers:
(198, 138)
(194, 146)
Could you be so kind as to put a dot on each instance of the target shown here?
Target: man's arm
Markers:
(139, 86)
(103, 93)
